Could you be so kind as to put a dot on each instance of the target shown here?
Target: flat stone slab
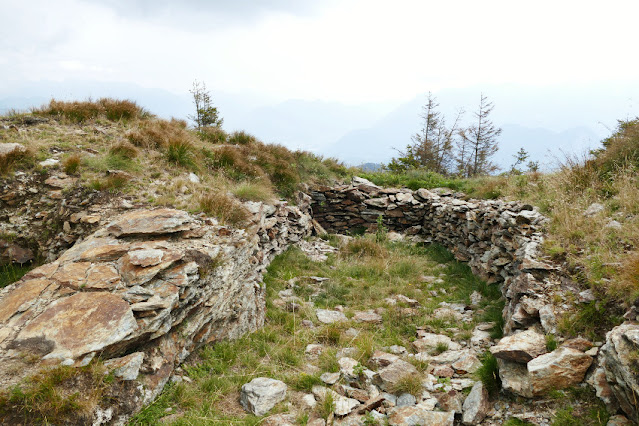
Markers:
(419, 415)
(327, 316)
(520, 347)
(82, 323)
(151, 222)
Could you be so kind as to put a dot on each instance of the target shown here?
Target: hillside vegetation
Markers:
(116, 145)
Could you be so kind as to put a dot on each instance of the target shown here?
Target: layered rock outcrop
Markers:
(142, 293)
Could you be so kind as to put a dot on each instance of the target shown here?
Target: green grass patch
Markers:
(11, 273)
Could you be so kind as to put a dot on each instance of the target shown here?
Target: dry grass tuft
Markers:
(223, 207)
(16, 159)
(155, 134)
(365, 246)
(213, 135)
(71, 164)
(254, 191)
(60, 395)
(124, 149)
(82, 111)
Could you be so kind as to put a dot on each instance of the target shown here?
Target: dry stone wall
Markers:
(500, 241)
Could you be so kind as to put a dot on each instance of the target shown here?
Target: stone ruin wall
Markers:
(501, 241)
(140, 287)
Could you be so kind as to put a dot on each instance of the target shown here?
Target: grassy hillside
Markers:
(113, 145)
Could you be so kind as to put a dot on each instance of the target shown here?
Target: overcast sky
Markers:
(350, 51)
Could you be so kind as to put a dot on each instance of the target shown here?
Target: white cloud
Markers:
(351, 51)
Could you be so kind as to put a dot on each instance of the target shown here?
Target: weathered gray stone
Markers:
(389, 376)
(476, 405)
(618, 360)
(261, 394)
(430, 341)
(328, 317)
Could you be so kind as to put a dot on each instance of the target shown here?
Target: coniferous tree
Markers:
(432, 146)
(478, 143)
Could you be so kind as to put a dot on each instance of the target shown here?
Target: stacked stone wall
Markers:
(501, 242)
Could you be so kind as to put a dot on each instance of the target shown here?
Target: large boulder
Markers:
(559, 369)
(261, 394)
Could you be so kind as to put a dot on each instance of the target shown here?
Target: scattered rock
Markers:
(430, 341)
(127, 367)
(476, 405)
(389, 376)
(419, 415)
(261, 394)
(11, 148)
(405, 400)
(368, 317)
(593, 209)
(330, 378)
(326, 316)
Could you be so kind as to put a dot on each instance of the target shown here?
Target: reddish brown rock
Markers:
(72, 275)
(103, 277)
(82, 323)
(24, 292)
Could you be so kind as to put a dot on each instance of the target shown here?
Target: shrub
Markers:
(326, 406)
(305, 382)
(60, 395)
(71, 164)
(330, 335)
(363, 246)
(551, 342)
(156, 134)
(124, 149)
(111, 183)
(11, 273)
(15, 159)
(226, 209)
(411, 384)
